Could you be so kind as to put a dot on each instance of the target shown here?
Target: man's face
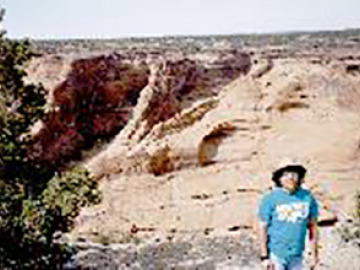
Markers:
(290, 180)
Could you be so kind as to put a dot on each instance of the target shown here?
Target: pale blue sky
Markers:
(124, 18)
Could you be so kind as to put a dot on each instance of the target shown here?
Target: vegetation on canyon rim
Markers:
(36, 201)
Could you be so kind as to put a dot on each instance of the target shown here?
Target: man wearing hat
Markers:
(285, 214)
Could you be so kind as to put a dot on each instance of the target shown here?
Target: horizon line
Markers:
(264, 33)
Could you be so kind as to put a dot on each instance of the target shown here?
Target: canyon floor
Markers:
(208, 121)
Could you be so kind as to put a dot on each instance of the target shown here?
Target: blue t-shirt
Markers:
(287, 217)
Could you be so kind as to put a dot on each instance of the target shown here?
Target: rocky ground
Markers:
(199, 253)
(237, 250)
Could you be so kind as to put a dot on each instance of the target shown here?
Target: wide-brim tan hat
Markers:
(289, 164)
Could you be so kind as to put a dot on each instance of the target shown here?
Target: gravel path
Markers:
(203, 253)
(206, 253)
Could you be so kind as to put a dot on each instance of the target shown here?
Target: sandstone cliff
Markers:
(203, 134)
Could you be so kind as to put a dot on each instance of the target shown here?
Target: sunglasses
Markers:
(291, 175)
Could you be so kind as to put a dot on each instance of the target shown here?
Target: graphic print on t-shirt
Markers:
(292, 212)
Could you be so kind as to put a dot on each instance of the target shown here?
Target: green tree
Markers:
(35, 201)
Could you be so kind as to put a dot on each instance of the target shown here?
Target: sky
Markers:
(55, 19)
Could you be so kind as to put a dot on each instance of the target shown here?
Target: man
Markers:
(285, 215)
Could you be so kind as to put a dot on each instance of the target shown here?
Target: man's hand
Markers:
(313, 237)
(314, 261)
(268, 265)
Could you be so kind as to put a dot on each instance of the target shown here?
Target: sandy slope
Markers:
(222, 161)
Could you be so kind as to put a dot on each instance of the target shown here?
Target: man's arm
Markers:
(265, 215)
(313, 237)
(263, 235)
(264, 250)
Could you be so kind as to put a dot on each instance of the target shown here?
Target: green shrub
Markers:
(28, 233)
(35, 201)
(64, 196)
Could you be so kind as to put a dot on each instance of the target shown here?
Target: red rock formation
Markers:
(95, 100)
(98, 94)
(174, 80)
(227, 68)
(178, 79)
